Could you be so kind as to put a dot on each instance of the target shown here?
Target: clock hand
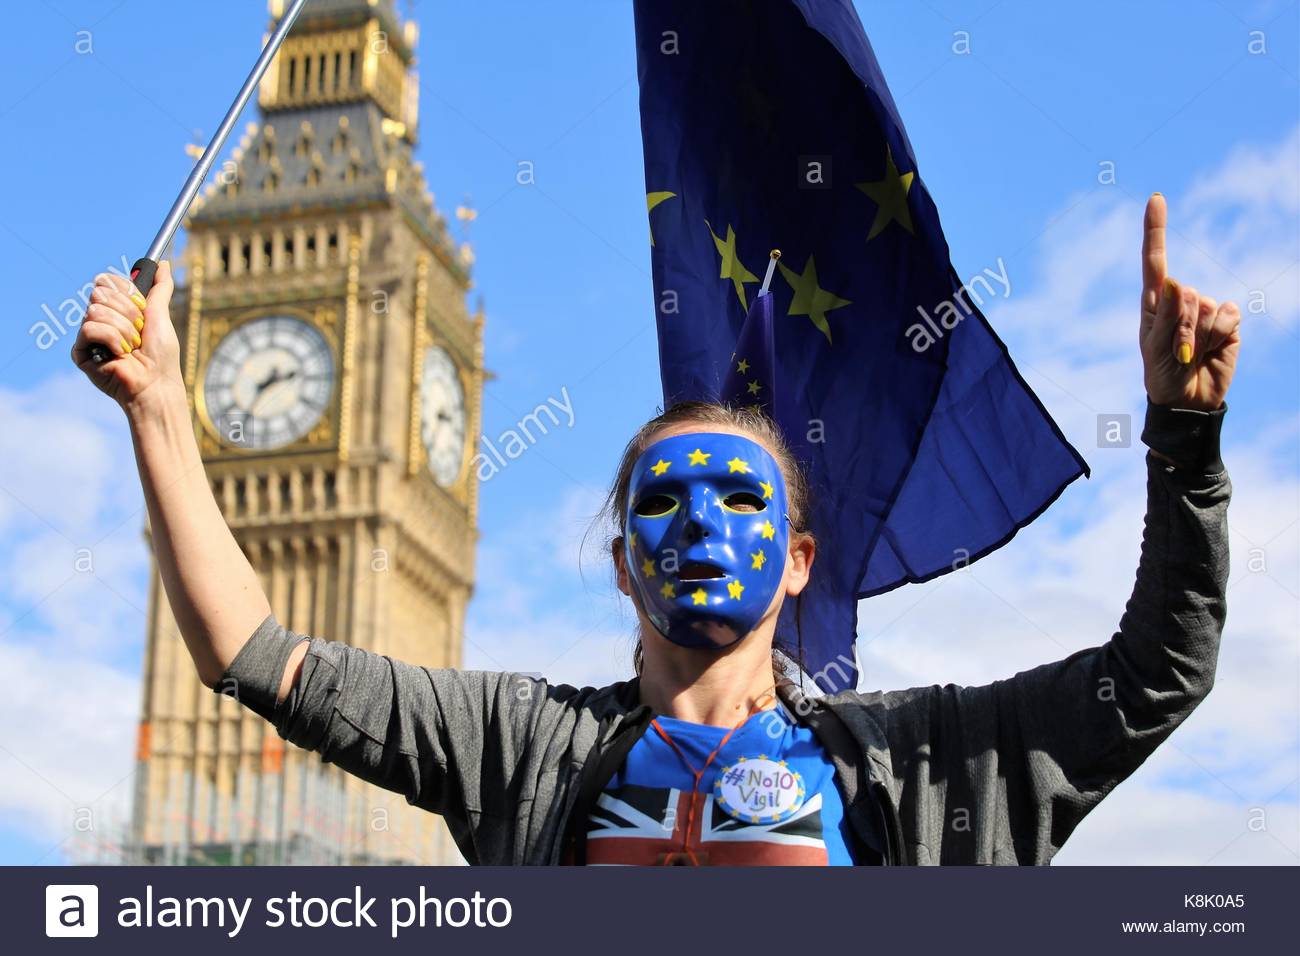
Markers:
(275, 378)
(268, 381)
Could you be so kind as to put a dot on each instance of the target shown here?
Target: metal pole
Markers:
(142, 272)
(204, 165)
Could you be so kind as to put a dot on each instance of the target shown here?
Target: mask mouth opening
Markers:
(700, 571)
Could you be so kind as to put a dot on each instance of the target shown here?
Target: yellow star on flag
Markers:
(768, 490)
(737, 465)
(732, 268)
(700, 457)
(742, 366)
(667, 590)
(768, 531)
(660, 467)
(699, 597)
(759, 559)
(753, 387)
(890, 195)
(648, 567)
(735, 589)
(811, 299)
(652, 200)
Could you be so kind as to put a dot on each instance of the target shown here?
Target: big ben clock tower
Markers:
(335, 379)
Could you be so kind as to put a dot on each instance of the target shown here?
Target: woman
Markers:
(709, 756)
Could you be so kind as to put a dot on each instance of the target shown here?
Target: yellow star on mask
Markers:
(768, 531)
(648, 568)
(699, 597)
(737, 465)
(811, 299)
(768, 490)
(890, 195)
(700, 457)
(735, 589)
(660, 467)
(742, 366)
(652, 200)
(667, 590)
(754, 387)
(759, 559)
(732, 268)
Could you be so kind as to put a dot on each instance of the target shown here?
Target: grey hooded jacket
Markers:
(998, 774)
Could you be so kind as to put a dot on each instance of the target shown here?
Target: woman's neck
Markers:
(705, 687)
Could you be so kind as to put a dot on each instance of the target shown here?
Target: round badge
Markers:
(759, 790)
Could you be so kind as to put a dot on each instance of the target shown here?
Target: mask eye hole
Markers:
(745, 502)
(655, 506)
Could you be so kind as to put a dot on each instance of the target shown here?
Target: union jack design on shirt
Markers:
(637, 825)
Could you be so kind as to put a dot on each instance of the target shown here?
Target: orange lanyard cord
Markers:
(698, 774)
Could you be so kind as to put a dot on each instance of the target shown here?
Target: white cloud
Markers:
(60, 445)
(67, 745)
(564, 619)
(69, 633)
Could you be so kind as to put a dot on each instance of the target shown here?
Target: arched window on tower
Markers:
(302, 148)
(266, 149)
(352, 172)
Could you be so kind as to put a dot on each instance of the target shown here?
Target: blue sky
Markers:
(1010, 139)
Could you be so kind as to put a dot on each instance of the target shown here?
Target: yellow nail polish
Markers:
(137, 340)
(139, 324)
(126, 349)
(1171, 286)
(139, 300)
(1184, 354)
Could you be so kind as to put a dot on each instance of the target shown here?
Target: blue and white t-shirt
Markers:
(768, 799)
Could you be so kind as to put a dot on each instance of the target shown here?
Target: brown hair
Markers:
(752, 422)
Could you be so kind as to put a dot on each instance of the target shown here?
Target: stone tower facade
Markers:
(335, 378)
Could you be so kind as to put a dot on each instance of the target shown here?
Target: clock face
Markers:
(442, 416)
(268, 382)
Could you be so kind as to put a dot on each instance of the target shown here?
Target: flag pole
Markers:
(143, 271)
(771, 268)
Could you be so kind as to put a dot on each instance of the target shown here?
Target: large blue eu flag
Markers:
(768, 124)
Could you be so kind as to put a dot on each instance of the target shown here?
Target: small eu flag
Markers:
(769, 125)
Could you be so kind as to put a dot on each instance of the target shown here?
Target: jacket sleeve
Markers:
(1003, 773)
(445, 739)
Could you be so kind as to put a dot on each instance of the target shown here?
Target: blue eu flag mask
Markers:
(770, 125)
(706, 536)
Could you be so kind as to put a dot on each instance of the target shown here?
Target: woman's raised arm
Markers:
(213, 591)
